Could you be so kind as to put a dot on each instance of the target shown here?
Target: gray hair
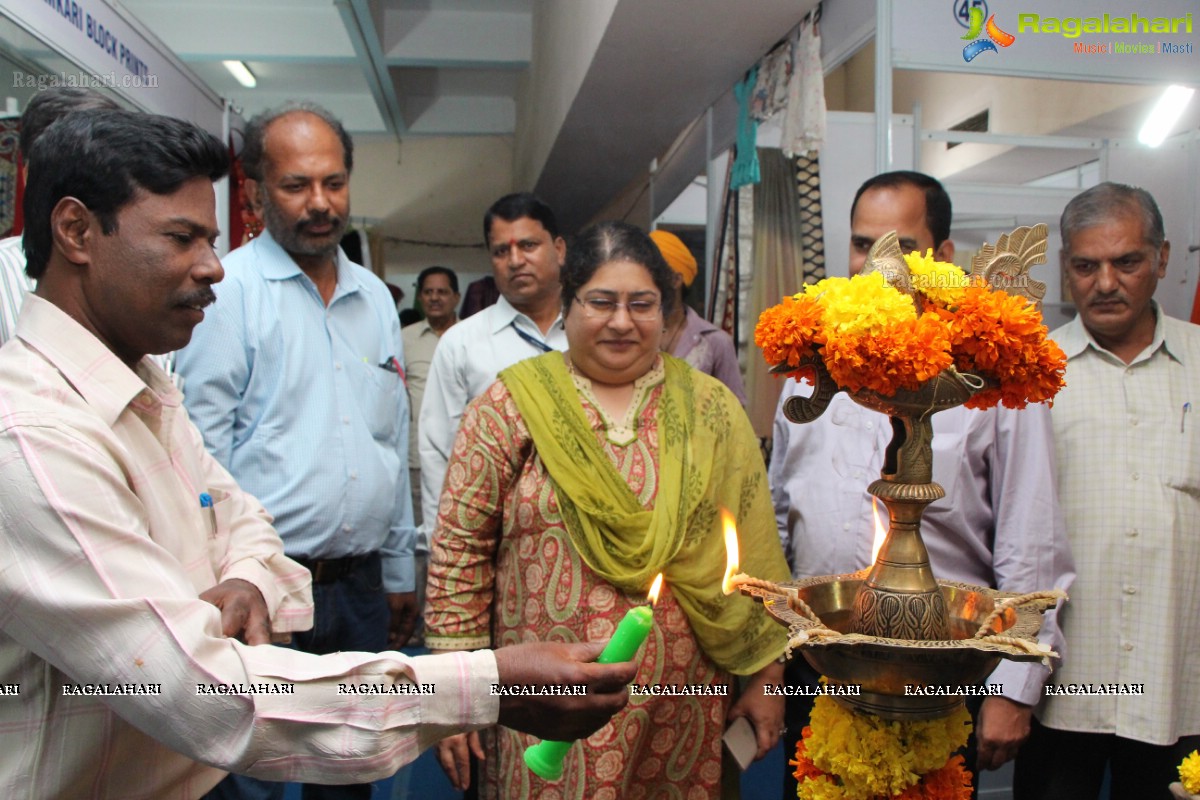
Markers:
(256, 132)
(1104, 201)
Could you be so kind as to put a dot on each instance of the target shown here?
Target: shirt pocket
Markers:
(217, 523)
(379, 401)
(1181, 456)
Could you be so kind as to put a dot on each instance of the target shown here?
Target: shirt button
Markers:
(1130, 590)
(353, 474)
(337, 365)
(870, 426)
(345, 420)
(347, 528)
(1136, 476)
(845, 526)
(1131, 533)
(1127, 647)
(1133, 421)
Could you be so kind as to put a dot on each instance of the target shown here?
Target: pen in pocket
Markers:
(1187, 407)
(206, 504)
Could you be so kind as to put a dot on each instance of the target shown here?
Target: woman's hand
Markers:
(765, 712)
(452, 754)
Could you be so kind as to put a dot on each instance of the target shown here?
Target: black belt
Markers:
(331, 570)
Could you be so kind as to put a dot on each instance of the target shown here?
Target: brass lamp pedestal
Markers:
(901, 598)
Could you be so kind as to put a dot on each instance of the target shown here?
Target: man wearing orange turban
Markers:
(689, 336)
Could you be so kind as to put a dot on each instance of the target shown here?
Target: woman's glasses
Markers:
(605, 308)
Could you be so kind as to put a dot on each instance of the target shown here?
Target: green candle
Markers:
(545, 758)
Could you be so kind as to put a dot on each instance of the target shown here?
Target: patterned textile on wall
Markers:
(10, 133)
(812, 226)
(773, 243)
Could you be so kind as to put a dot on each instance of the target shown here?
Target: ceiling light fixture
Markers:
(1165, 114)
(243, 74)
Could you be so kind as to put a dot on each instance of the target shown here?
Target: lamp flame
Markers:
(655, 588)
(880, 533)
(731, 552)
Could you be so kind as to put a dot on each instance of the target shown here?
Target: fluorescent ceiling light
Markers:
(1166, 113)
(243, 74)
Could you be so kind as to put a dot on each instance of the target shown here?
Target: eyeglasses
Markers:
(606, 308)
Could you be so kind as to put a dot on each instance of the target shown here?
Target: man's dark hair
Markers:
(606, 242)
(253, 153)
(1104, 201)
(519, 205)
(102, 158)
(50, 105)
(437, 270)
(937, 202)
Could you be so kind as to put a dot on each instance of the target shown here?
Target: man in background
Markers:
(1129, 477)
(527, 255)
(437, 289)
(999, 524)
(295, 382)
(44, 108)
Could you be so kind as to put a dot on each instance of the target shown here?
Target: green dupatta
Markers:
(708, 459)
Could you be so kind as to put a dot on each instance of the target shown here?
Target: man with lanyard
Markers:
(527, 253)
(295, 382)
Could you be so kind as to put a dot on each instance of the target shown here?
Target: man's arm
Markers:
(776, 473)
(90, 571)
(725, 364)
(397, 551)
(253, 551)
(1030, 553)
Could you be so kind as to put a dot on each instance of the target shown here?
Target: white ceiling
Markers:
(407, 67)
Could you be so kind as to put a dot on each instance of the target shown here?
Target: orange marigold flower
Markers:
(805, 768)
(789, 331)
(951, 782)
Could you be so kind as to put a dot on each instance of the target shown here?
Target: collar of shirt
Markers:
(1074, 338)
(277, 264)
(503, 315)
(102, 379)
(422, 328)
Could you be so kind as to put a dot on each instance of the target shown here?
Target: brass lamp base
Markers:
(902, 679)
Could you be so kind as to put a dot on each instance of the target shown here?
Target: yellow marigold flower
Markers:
(873, 756)
(863, 304)
(1189, 772)
(940, 281)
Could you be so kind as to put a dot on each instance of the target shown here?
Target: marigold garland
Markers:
(1189, 773)
(847, 755)
(870, 335)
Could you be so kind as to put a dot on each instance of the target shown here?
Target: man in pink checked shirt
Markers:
(139, 587)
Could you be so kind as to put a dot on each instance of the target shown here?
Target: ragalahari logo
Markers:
(996, 36)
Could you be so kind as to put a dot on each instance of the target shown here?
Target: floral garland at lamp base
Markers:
(851, 755)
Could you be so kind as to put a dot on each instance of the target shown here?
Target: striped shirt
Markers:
(105, 550)
(1129, 480)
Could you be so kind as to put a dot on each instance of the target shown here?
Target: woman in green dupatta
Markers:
(574, 480)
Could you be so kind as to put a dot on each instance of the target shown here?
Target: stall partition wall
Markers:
(105, 47)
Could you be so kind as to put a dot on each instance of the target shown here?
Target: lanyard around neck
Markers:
(538, 343)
